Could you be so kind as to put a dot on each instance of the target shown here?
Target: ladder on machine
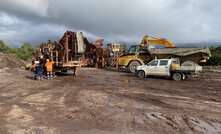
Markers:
(54, 54)
(113, 61)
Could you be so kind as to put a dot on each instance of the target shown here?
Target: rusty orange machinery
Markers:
(72, 50)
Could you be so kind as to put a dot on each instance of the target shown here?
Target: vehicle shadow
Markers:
(59, 74)
(113, 69)
(30, 77)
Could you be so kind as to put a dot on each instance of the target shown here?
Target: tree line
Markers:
(25, 52)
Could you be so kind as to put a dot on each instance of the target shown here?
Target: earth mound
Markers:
(10, 61)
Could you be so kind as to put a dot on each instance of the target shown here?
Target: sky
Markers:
(116, 21)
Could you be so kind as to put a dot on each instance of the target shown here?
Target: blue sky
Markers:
(181, 21)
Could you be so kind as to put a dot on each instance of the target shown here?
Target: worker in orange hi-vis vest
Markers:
(49, 68)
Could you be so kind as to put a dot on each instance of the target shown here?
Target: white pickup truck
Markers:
(167, 68)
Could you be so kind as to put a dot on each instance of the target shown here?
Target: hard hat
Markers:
(47, 59)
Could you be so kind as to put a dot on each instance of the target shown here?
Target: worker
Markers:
(34, 69)
(49, 68)
(39, 71)
(75, 71)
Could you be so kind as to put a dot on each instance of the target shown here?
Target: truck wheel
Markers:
(188, 63)
(177, 76)
(133, 65)
(141, 74)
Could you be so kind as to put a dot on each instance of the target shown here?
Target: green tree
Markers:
(2, 45)
(25, 52)
(5, 48)
(26, 48)
(216, 56)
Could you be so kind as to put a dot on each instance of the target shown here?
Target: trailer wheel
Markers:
(141, 74)
(64, 70)
(177, 76)
(133, 65)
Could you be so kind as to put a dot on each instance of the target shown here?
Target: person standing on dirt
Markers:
(34, 69)
(75, 71)
(49, 68)
(39, 71)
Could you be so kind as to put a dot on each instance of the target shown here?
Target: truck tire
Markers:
(177, 76)
(133, 65)
(141, 74)
(188, 63)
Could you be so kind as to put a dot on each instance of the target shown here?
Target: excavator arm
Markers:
(156, 40)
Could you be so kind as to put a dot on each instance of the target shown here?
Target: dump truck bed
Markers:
(181, 51)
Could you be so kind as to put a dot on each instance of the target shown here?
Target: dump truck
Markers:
(167, 68)
(142, 54)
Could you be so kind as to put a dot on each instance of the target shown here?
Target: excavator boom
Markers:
(157, 40)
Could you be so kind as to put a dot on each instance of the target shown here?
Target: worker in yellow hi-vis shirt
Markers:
(49, 68)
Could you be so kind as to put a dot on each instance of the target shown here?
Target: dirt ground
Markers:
(105, 101)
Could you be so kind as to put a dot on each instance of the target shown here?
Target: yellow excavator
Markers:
(156, 40)
(143, 53)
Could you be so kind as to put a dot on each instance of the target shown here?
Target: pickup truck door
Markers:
(163, 68)
(152, 68)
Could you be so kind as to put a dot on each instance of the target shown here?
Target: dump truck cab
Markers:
(135, 56)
